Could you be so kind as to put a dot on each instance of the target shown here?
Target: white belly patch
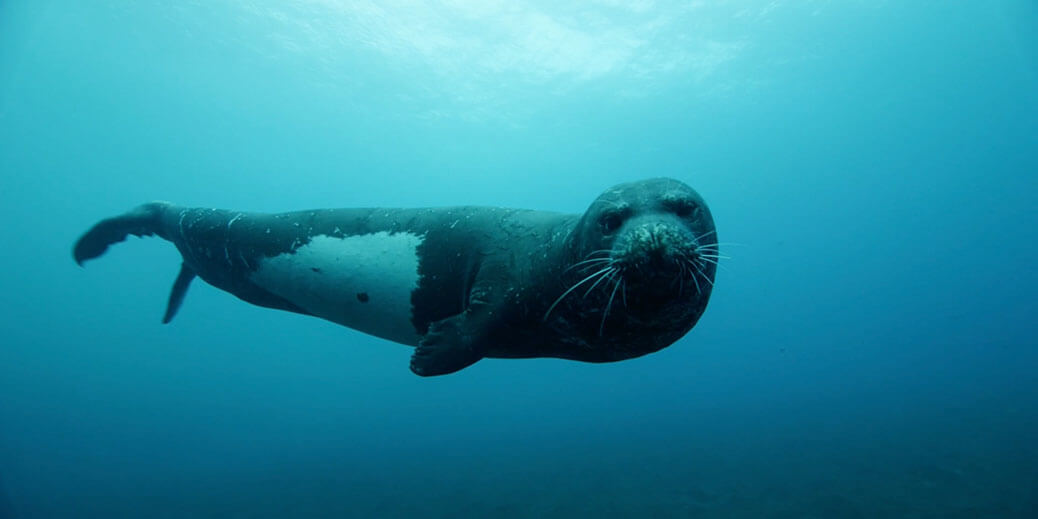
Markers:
(364, 282)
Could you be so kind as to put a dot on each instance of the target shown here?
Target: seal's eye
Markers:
(610, 222)
(682, 207)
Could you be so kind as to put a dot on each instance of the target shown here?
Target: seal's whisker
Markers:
(595, 284)
(699, 290)
(587, 263)
(697, 272)
(715, 262)
(623, 292)
(704, 235)
(708, 248)
(681, 280)
(676, 279)
(605, 314)
(574, 287)
(703, 258)
(719, 244)
(710, 252)
(585, 268)
(701, 273)
(592, 260)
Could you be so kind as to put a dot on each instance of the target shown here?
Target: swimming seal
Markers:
(628, 277)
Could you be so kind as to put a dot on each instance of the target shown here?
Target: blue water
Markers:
(869, 349)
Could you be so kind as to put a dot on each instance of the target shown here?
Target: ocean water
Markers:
(869, 349)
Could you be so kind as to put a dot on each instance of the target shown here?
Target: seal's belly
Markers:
(362, 281)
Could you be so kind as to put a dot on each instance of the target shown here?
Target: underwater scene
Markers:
(518, 259)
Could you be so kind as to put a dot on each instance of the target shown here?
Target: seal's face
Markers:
(644, 259)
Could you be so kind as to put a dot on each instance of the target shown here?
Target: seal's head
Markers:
(643, 260)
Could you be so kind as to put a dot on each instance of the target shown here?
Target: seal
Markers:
(628, 277)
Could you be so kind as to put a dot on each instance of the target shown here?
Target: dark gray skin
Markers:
(628, 277)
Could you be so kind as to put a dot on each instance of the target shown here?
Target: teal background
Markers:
(869, 349)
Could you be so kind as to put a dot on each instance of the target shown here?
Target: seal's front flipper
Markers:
(176, 296)
(447, 347)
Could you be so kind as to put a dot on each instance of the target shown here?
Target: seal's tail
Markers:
(144, 220)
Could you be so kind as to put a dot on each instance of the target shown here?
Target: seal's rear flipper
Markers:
(444, 349)
(141, 221)
(144, 220)
(176, 296)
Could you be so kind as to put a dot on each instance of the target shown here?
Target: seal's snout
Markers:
(657, 257)
(654, 247)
